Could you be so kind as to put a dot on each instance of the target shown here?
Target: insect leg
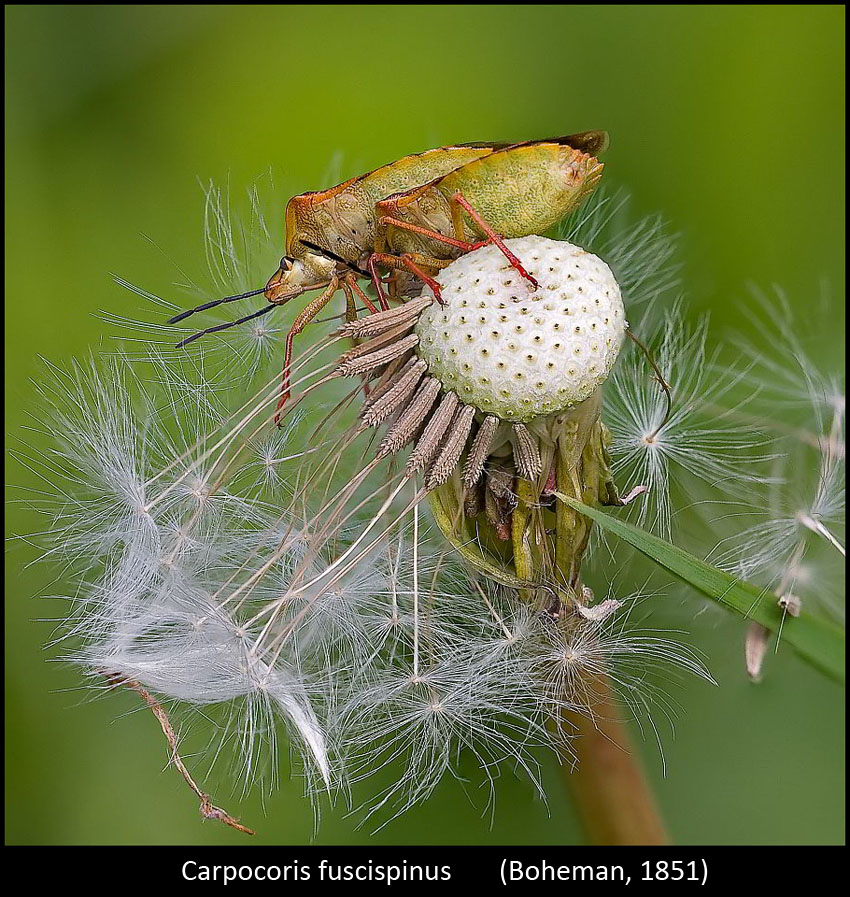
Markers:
(372, 267)
(350, 303)
(408, 263)
(492, 237)
(349, 287)
(352, 282)
(411, 262)
(304, 317)
(428, 232)
(428, 261)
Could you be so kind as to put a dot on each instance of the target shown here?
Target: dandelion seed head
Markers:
(271, 577)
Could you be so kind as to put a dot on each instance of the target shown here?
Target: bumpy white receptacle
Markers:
(519, 352)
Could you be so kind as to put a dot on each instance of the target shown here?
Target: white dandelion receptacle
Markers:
(520, 351)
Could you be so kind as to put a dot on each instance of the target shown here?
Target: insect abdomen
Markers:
(525, 190)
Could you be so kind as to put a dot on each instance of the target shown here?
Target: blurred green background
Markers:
(729, 120)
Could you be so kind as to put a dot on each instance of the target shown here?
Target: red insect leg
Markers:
(404, 261)
(492, 237)
(429, 281)
(427, 232)
(372, 267)
(300, 322)
(366, 301)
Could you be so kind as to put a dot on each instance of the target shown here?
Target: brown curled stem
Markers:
(207, 808)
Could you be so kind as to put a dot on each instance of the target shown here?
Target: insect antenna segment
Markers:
(215, 302)
(226, 326)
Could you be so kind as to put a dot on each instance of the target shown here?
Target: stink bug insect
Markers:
(413, 216)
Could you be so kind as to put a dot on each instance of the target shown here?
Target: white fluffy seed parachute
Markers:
(223, 564)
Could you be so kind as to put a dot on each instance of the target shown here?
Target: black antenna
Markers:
(213, 304)
(227, 325)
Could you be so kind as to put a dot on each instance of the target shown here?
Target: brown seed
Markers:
(429, 441)
(791, 604)
(412, 418)
(452, 448)
(526, 453)
(500, 481)
(499, 502)
(377, 342)
(756, 644)
(375, 359)
(480, 449)
(378, 323)
(397, 395)
(383, 382)
(473, 503)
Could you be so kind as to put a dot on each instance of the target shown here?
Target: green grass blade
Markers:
(820, 642)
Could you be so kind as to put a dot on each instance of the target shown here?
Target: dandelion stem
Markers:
(604, 777)
(608, 787)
